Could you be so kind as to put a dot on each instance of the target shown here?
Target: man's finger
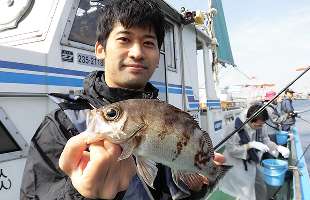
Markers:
(103, 158)
(113, 149)
(219, 158)
(72, 153)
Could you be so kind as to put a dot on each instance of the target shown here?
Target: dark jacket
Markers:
(42, 177)
(287, 108)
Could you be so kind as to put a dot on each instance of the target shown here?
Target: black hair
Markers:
(261, 116)
(288, 91)
(131, 13)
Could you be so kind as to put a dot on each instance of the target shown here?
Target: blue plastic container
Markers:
(281, 137)
(274, 171)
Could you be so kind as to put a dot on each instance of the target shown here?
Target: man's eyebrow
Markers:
(149, 36)
(123, 32)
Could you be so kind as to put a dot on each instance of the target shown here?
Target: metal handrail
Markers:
(17, 94)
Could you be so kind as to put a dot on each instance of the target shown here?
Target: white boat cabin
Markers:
(48, 46)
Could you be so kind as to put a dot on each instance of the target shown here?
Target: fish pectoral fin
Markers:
(147, 170)
(184, 179)
(127, 150)
(220, 173)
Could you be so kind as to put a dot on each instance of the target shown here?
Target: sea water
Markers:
(303, 127)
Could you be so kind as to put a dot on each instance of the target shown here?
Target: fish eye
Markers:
(112, 113)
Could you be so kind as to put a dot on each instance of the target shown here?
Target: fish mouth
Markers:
(128, 135)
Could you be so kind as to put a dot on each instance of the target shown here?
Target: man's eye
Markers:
(149, 43)
(123, 39)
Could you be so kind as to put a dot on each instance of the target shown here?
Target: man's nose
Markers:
(136, 51)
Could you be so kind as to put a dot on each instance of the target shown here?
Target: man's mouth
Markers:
(136, 66)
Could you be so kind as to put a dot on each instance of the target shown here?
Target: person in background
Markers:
(244, 150)
(273, 124)
(60, 164)
(287, 109)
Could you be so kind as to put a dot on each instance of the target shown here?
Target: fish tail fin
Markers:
(220, 173)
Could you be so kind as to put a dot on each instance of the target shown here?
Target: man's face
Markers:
(130, 56)
(290, 95)
(258, 124)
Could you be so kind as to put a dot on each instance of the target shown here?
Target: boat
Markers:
(48, 47)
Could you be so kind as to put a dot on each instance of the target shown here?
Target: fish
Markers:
(157, 132)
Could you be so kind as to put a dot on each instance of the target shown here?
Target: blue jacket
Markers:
(287, 108)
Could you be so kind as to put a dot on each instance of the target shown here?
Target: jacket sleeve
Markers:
(42, 178)
(281, 119)
(271, 145)
(274, 118)
(234, 148)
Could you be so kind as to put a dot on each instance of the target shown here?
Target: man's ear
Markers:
(99, 50)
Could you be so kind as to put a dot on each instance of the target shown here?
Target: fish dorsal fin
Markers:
(208, 142)
(127, 150)
(184, 114)
(147, 170)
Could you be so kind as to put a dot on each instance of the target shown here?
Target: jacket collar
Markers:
(96, 87)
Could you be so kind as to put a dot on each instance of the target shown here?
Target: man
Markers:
(60, 164)
(273, 124)
(288, 109)
(243, 151)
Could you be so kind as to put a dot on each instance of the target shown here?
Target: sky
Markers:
(269, 40)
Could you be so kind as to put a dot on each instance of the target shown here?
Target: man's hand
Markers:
(258, 145)
(96, 173)
(293, 114)
(285, 152)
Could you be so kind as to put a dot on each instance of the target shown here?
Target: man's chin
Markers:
(135, 84)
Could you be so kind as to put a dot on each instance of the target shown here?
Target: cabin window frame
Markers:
(171, 38)
(14, 136)
(65, 40)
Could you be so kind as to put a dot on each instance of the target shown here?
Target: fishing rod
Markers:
(302, 111)
(302, 155)
(303, 119)
(260, 110)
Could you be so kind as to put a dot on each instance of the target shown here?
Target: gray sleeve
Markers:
(274, 117)
(235, 149)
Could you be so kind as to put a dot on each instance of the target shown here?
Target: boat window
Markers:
(12, 143)
(7, 143)
(85, 22)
